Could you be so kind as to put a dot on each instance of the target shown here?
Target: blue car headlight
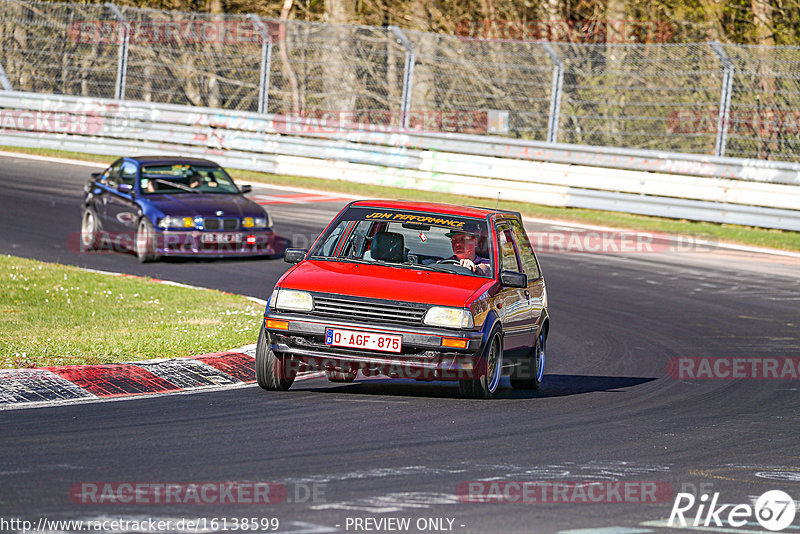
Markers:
(177, 222)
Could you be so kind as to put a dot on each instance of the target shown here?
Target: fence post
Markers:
(555, 92)
(122, 61)
(266, 63)
(408, 73)
(723, 120)
(4, 81)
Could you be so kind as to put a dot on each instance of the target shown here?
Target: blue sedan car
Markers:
(172, 206)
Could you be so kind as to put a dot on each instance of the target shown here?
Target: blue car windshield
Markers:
(185, 178)
(407, 239)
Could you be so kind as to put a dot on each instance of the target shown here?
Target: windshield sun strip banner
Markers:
(438, 220)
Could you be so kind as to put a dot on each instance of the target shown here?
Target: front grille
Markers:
(212, 223)
(368, 310)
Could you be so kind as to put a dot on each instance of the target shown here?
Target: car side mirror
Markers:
(125, 188)
(247, 188)
(512, 279)
(294, 255)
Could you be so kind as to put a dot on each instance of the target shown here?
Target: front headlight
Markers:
(289, 299)
(448, 317)
(177, 222)
(255, 222)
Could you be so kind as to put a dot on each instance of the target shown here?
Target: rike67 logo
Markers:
(774, 511)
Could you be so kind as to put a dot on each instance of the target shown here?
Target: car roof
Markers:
(434, 207)
(171, 160)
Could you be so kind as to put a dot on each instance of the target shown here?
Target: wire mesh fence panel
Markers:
(467, 75)
(764, 119)
(639, 96)
(193, 59)
(54, 48)
(337, 73)
(652, 96)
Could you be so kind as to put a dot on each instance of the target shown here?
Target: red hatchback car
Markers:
(410, 290)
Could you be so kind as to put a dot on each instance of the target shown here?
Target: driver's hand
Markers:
(468, 264)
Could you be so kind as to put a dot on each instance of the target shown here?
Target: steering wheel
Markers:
(450, 261)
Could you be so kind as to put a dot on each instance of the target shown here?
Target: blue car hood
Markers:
(205, 205)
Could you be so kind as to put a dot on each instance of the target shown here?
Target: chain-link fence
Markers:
(740, 101)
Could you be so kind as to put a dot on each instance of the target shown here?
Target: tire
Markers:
(90, 230)
(340, 377)
(145, 241)
(490, 370)
(271, 371)
(529, 374)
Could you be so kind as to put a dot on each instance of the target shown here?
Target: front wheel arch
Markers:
(488, 368)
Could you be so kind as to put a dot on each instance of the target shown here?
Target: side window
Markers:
(127, 174)
(529, 265)
(112, 174)
(508, 252)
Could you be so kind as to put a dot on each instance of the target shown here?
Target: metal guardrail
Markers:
(748, 192)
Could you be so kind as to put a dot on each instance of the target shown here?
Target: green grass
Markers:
(53, 314)
(763, 237)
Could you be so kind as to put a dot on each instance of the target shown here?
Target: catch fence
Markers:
(697, 98)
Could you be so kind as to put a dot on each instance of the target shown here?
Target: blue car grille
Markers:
(368, 310)
(212, 223)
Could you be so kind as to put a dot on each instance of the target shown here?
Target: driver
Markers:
(464, 242)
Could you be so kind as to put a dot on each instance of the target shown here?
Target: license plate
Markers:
(363, 340)
(222, 238)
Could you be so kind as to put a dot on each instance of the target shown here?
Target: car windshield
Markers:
(184, 178)
(416, 240)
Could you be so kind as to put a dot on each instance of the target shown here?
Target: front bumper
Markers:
(422, 357)
(223, 243)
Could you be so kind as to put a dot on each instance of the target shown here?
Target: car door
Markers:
(530, 266)
(105, 187)
(512, 302)
(121, 209)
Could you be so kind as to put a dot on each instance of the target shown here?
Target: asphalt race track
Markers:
(353, 456)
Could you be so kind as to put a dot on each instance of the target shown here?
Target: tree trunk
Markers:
(286, 65)
(616, 27)
(762, 21)
(217, 10)
(767, 114)
(339, 79)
